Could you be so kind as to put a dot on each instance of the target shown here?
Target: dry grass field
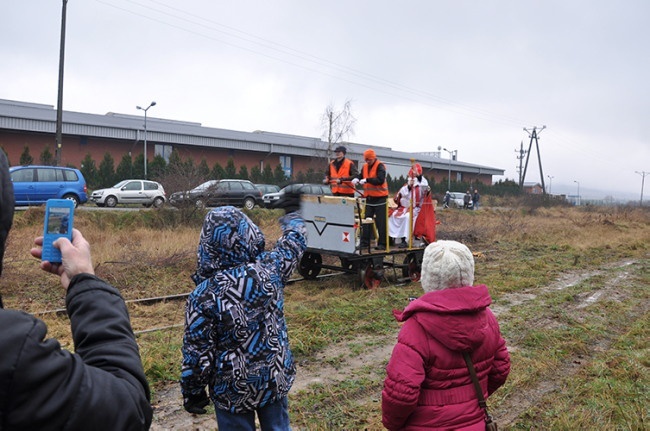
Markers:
(570, 287)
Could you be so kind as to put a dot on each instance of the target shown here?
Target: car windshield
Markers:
(205, 185)
(120, 184)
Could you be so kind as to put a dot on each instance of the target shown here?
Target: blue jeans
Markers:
(273, 417)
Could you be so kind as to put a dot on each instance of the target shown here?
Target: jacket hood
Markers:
(228, 239)
(457, 318)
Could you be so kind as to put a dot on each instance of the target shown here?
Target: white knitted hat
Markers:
(447, 264)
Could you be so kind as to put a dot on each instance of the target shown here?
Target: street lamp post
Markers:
(550, 183)
(145, 134)
(578, 200)
(451, 152)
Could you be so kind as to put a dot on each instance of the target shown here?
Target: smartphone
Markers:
(58, 223)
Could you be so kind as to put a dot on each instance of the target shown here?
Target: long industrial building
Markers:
(33, 125)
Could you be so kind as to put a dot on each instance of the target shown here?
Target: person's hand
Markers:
(325, 181)
(291, 202)
(75, 257)
(363, 181)
(196, 403)
(338, 181)
(355, 181)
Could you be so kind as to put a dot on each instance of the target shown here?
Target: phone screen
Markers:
(57, 221)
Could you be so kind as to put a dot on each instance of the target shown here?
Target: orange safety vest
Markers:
(346, 187)
(371, 189)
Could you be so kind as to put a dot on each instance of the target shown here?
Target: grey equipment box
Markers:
(331, 223)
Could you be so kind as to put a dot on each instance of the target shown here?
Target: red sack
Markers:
(425, 225)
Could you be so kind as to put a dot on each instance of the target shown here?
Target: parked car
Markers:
(266, 189)
(275, 200)
(457, 200)
(34, 185)
(143, 192)
(239, 193)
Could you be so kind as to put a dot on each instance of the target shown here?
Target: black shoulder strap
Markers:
(477, 385)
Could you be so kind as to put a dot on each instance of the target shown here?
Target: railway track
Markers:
(166, 298)
(175, 297)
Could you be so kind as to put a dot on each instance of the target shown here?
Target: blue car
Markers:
(34, 185)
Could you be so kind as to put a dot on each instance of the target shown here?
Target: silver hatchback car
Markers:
(142, 192)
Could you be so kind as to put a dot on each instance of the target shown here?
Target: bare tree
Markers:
(337, 126)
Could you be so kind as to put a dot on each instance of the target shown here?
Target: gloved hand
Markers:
(325, 181)
(355, 181)
(291, 202)
(338, 181)
(363, 181)
(196, 403)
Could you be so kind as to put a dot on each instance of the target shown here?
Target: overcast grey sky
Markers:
(465, 75)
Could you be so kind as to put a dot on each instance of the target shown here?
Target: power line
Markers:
(372, 81)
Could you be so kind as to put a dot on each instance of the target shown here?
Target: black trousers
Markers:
(376, 207)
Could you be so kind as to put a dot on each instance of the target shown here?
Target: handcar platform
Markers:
(334, 225)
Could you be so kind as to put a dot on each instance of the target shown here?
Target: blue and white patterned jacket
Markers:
(235, 331)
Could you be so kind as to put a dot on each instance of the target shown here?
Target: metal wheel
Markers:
(349, 265)
(111, 201)
(370, 278)
(310, 265)
(158, 202)
(412, 268)
(249, 203)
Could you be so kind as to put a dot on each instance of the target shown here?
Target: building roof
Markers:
(41, 118)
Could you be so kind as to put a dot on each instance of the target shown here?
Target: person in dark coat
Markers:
(446, 200)
(467, 200)
(6, 205)
(428, 385)
(102, 385)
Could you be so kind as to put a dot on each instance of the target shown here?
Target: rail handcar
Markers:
(334, 228)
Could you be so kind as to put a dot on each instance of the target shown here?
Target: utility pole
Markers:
(59, 105)
(534, 135)
(520, 157)
(643, 174)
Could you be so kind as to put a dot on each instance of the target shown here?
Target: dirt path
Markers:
(169, 414)
(519, 402)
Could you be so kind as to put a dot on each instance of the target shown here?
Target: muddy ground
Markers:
(169, 414)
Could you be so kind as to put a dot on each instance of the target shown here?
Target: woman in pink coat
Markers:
(427, 385)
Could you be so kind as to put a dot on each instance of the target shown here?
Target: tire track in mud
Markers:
(337, 362)
(520, 401)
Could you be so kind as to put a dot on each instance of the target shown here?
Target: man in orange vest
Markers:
(375, 190)
(340, 171)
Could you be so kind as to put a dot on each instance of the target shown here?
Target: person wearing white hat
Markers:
(427, 383)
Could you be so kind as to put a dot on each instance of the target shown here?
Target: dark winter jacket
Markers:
(6, 204)
(235, 331)
(101, 386)
(428, 386)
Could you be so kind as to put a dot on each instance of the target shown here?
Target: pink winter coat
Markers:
(427, 385)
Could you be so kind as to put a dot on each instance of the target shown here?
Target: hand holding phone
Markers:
(59, 214)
